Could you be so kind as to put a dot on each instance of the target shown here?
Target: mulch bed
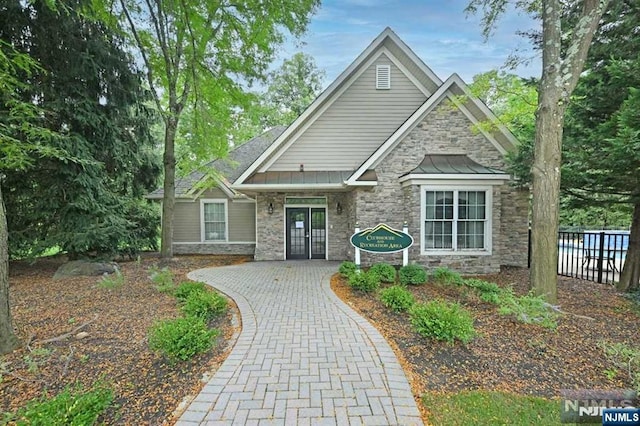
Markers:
(508, 355)
(147, 387)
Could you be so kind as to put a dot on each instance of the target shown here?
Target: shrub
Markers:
(412, 275)
(442, 321)
(163, 280)
(204, 304)
(116, 280)
(385, 272)
(181, 338)
(489, 292)
(347, 268)
(444, 275)
(397, 298)
(69, 407)
(529, 309)
(184, 290)
(364, 282)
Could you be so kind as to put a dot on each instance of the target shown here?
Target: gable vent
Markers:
(383, 77)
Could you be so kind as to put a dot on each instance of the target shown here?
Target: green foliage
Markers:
(181, 338)
(412, 275)
(163, 280)
(204, 304)
(71, 407)
(489, 292)
(347, 268)
(481, 407)
(528, 309)
(397, 298)
(625, 359)
(444, 275)
(86, 196)
(185, 289)
(364, 282)
(385, 272)
(112, 281)
(442, 320)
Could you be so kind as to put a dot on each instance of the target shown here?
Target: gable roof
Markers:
(422, 75)
(458, 92)
(229, 168)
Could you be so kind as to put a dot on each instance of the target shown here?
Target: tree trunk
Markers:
(169, 198)
(8, 339)
(630, 276)
(546, 161)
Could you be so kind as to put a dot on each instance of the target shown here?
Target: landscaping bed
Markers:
(147, 387)
(506, 355)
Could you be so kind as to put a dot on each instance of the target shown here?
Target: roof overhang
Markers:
(421, 179)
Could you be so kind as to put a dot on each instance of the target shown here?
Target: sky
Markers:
(438, 31)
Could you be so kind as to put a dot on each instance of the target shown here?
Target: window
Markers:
(456, 220)
(383, 76)
(214, 220)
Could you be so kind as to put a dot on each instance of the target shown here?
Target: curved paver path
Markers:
(303, 356)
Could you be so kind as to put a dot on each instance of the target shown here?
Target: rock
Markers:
(82, 335)
(78, 268)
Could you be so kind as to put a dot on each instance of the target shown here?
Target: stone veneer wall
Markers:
(270, 233)
(444, 131)
(208, 248)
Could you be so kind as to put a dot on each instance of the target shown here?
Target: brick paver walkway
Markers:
(303, 357)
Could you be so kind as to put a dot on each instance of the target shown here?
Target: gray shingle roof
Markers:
(231, 167)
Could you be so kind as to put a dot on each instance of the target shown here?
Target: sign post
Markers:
(357, 255)
(405, 252)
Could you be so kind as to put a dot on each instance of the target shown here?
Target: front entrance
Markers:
(306, 231)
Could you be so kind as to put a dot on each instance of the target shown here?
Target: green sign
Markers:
(381, 239)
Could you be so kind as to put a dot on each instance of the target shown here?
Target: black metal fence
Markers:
(592, 255)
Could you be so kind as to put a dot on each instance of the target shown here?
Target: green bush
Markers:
(347, 268)
(488, 292)
(364, 282)
(163, 280)
(71, 407)
(204, 304)
(444, 275)
(385, 272)
(181, 338)
(397, 298)
(412, 275)
(184, 290)
(442, 321)
(111, 282)
(529, 309)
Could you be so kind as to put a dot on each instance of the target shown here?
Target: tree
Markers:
(562, 64)
(196, 55)
(87, 85)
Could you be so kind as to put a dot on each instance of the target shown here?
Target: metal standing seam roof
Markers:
(451, 164)
(298, 178)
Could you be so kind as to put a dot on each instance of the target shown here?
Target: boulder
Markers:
(77, 268)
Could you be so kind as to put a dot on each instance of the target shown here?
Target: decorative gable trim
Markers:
(335, 89)
(444, 91)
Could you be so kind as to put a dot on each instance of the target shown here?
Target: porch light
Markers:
(339, 208)
(270, 208)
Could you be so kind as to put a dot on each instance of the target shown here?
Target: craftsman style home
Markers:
(386, 142)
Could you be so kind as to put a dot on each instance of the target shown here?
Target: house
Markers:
(386, 142)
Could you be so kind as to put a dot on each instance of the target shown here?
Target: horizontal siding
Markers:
(213, 193)
(186, 222)
(355, 125)
(242, 222)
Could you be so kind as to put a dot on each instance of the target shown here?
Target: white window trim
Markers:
(488, 224)
(226, 219)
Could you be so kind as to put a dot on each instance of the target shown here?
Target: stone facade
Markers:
(444, 131)
(217, 248)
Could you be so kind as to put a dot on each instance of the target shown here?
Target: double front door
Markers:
(306, 231)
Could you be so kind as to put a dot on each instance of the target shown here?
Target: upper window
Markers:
(214, 220)
(383, 76)
(456, 220)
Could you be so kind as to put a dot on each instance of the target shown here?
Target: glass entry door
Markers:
(306, 233)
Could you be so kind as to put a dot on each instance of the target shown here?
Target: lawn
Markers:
(509, 372)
